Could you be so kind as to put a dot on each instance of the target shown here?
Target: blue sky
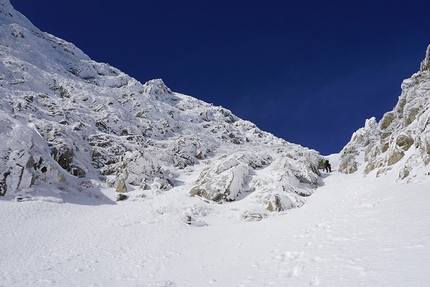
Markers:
(310, 72)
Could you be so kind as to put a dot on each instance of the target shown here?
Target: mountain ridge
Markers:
(84, 124)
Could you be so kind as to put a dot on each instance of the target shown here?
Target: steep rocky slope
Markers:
(76, 125)
(400, 142)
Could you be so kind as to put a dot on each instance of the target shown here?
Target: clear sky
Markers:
(310, 72)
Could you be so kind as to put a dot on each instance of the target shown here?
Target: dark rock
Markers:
(121, 197)
(3, 185)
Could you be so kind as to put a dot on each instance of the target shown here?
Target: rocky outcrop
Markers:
(400, 142)
(25, 157)
(290, 168)
(425, 64)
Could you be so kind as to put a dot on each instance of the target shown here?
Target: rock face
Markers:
(425, 64)
(66, 120)
(400, 142)
(253, 168)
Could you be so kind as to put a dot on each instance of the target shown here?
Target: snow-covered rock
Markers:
(400, 142)
(68, 121)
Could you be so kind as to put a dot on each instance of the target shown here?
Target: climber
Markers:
(326, 165)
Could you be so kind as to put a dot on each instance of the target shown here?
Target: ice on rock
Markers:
(400, 142)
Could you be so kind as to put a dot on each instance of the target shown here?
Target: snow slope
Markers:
(80, 126)
(353, 231)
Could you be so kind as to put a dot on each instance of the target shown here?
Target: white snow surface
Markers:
(353, 231)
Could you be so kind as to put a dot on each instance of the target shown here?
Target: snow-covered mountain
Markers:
(400, 143)
(70, 125)
(85, 134)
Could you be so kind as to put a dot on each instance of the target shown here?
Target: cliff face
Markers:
(400, 142)
(79, 125)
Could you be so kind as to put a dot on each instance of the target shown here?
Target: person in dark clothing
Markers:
(326, 165)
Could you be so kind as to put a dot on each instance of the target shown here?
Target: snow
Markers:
(353, 231)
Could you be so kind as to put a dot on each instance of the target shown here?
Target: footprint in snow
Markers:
(315, 281)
